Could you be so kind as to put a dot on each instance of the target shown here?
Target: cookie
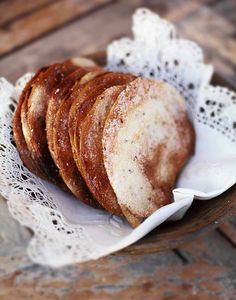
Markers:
(18, 135)
(59, 94)
(33, 113)
(147, 139)
(62, 150)
(91, 152)
(84, 102)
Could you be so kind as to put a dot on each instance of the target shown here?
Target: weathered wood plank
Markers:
(216, 35)
(81, 36)
(12, 9)
(156, 276)
(212, 249)
(77, 38)
(43, 20)
(226, 8)
(191, 19)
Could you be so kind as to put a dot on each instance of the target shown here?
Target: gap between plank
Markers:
(181, 256)
(226, 237)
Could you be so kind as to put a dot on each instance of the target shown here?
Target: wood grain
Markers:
(43, 20)
(203, 274)
(191, 19)
(216, 35)
(13, 9)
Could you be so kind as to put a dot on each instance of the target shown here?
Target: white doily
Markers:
(67, 231)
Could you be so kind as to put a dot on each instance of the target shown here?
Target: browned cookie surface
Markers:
(33, 114)
(84, 102)
(62, 150)
(63, 156)
(57, 96)
(75, 100)
(147, 139)
(18, 132)
(91, 152)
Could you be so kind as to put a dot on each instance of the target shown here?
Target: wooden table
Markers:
(35, 33)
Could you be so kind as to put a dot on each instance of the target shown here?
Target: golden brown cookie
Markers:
(33, 113)
(62, 150)
(75, 96)
(84, 102)
(91, 152)
(59, 94)
(147, 139)
(19, 139)
(63, 157)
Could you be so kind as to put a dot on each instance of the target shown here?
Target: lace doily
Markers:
(156, 52)
(67, 231)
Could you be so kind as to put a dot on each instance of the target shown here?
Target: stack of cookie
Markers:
(114, 140)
